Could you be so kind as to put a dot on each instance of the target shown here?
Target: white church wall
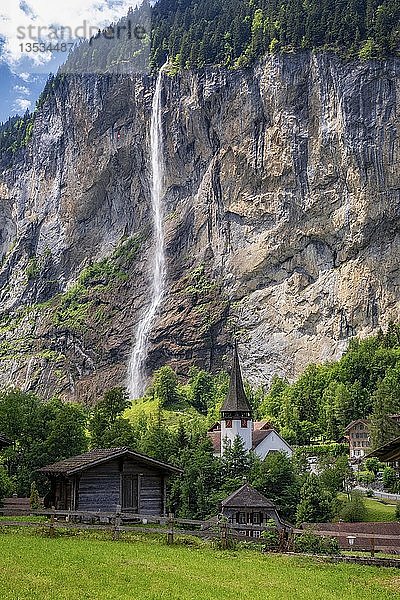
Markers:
(230, 433)
(273, 442)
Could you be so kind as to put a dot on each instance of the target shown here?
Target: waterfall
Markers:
(136, 374)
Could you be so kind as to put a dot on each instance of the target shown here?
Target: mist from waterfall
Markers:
(136, 372)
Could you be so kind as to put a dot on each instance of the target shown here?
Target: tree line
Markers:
(234, 33)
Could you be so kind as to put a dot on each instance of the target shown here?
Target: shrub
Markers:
(34, 499)
(390, 480)
(354, 510)
(311, 543)
(373, 464)
(397, 513)
(366, 477)
(270, 537)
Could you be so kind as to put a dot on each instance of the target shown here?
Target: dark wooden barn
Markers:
(103, 480)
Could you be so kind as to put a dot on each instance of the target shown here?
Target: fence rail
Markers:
(138, 523)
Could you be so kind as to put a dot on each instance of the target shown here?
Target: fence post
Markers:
(170, 534)
(282, 541)
(373, 546)
(224, 535)
(290, 540)
(117, 522)
(52, 528)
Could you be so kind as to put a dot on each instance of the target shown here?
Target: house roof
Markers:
(262, 425)
(350, 425)
(259, 435)
(75, 464)
(379, 529)
(215, 437)
(247, 496)
(389, 452)
(236, 400)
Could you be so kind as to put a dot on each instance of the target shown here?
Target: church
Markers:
(237, 420)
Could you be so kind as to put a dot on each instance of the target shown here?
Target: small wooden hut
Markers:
(103, 480)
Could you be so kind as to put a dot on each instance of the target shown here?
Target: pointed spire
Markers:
(236, 401)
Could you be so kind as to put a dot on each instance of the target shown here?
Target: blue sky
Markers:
(24, 22)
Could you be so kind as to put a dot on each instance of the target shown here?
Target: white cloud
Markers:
(16, 18)
(21, 104)
(21, 89)
(25, 76)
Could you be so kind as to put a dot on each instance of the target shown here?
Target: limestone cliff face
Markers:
(282, 203)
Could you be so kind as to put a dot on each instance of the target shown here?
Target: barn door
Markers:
(130, 492)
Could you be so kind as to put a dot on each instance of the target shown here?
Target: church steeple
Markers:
(236, 403)
(236, 413)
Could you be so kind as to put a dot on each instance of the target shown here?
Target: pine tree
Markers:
(315, 504)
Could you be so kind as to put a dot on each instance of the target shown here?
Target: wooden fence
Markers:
(138, 523)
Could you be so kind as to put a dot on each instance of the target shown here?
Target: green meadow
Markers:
(377, 510)
(74, 568)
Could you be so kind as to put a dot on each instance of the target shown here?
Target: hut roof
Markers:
(247, 496)
(75, 464)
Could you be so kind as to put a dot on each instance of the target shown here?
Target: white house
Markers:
(237, 420)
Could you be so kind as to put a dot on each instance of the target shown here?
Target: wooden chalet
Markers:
(109, 479)
(246, 506)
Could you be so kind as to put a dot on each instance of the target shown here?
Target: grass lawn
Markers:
(377, 510)
(81, 568)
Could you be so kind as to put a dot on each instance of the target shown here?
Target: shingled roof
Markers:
(75, 464)
(262, 429)
(247, 497)
(389, 452)
(236, 401)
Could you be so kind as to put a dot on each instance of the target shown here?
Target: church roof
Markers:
(259, 434)
(236, 400)
(247, 496)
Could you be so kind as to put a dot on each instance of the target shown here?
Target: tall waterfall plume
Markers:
(136, 373)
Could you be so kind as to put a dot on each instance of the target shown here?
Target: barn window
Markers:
(130, 492)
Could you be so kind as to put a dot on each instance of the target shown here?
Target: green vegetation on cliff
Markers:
(234, 33)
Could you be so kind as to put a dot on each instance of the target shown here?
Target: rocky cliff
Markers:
(282, 203)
